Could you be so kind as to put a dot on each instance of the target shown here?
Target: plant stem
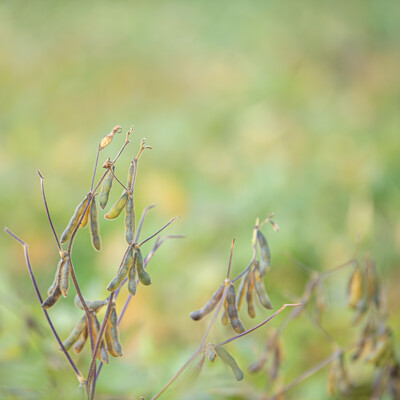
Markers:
(155, 234)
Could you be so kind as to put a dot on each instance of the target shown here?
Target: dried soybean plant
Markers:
(103, 337)
(375, 346)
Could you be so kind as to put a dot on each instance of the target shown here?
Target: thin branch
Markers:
(160, 230)
(35, 286)
(257, 326)
(144, 213)
(230, 260)
(48, 213)
(95, 168)
(115, 177)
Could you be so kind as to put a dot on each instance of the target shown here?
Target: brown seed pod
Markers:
(85, 218)
(260, 289)
(56, 280)
(356, 287)
(102, 355)
(232, 310)
(64, 277)
(80, 343)
(73, 222)
(123, 271)
(210, 305)
(130, 220)
(94, 305)
(52, 299)
(224, 315)
(132, 276)
(111, 334)
(230, 361)
(242, 290)
(94, 226)
(372, 282)
(143, 276)
(249, 296)
(383, 349)
(106, 188)
(265, 255)
(76, 332)
(108, 138)
(117, 208)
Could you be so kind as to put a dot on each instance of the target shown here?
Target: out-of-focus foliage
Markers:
(250, 107)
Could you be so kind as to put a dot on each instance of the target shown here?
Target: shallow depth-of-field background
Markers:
(250, 107)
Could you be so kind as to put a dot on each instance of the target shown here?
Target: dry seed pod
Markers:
(73, 222)
(108, 138)
(102, 355)
(224, 315)
(355, 289)
(131, 171)
(56, 280)
(338, 377)
(265, 255)
(117, 208)
(383, 349)
(249, 296)
(209, 306)
(94, 305)
(230, 361)
(76, 332)
(232, 310)
(80, 343)
(111, 334)
(123, 271)
(85, 218)
(242, 290)
(130, 220)
(94, 226)
(64, 277)
(260, 289)
(106, 188)
(52, 299)
(143, 276)
(132, 276)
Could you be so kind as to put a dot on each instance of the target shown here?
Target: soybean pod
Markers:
(80, 343)
(56, 280)
(210, 305)
(249, 296)
(94, 305)
(130, 219)
(123, 271)
(260, 289)
(76, 332)
(265, 255)
(64, 277)
(132, 277)
(232, 310)
(117, 208)
(143, 276)
(230, 361)
(111, 334)
(94, 226)
(102, 355)
(73, 222)
(52, 299)
(106, 188)
(242, 290)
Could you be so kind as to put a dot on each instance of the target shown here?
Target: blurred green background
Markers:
(250, 107)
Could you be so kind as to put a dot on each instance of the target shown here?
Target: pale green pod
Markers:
(64, 277)
(210, 353)
(94, 226)
(130, 220)
(242, 290)
(94, 305)
(265, 255)
(209, 306)
(117, 208)
(73, 222)
(80, 343)
(132, 277)
(111, 334)
(261, 291)
(102, 355)
(230, 361)
(76, 332)
(224, 315)
(56, 280)
(106, 188)
(232, 310)
(85, 218)
(123, 271)
(52, 299)
(143, 276)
